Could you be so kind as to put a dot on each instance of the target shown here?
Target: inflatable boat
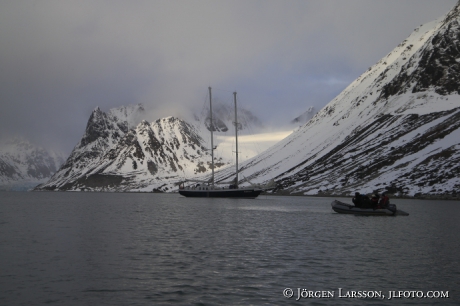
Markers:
(343, 208)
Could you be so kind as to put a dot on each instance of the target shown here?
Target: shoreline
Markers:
(277, 194)
(391, 196)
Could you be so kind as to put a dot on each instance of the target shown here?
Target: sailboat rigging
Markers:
(211, 190)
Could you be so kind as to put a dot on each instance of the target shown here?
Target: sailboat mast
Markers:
(212, 140)
(236, 139)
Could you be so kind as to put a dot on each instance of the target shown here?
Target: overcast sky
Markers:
(60, 59)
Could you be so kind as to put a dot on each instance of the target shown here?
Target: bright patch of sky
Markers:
(248, 145)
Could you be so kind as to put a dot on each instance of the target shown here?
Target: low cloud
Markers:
(61, 59)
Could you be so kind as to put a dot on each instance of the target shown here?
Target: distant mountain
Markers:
(24, 165)
(112, 156)
(394, 129)
(224, 116)
(305, 117)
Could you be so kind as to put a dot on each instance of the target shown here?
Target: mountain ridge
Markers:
(148, 157)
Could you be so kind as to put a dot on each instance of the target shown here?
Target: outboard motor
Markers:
(392, 207)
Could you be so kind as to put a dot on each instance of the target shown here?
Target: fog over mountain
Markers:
(305, 117)
(24, 165)
(61, 59)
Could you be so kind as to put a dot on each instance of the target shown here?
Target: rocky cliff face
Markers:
(103, 132)
(393, 129)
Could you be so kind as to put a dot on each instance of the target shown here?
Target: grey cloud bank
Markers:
(61, 59)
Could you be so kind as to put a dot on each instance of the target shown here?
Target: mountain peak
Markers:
(152, 155)
(452, 14)
(96, 127)
(143, 124)
(434, 66)
(307, 115)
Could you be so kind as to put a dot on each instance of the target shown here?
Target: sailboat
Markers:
(209, 189)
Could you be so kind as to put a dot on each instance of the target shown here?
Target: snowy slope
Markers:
(24, 165)
(395, 128)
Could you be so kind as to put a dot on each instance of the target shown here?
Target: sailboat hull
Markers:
(227, 193)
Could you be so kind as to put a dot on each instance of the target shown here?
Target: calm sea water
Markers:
(163, 249)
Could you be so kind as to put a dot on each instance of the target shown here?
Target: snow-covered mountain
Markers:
(395, 128)
(112, 156)
(305, 117)
(103, 132)
(224, 116)
(24, 165)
